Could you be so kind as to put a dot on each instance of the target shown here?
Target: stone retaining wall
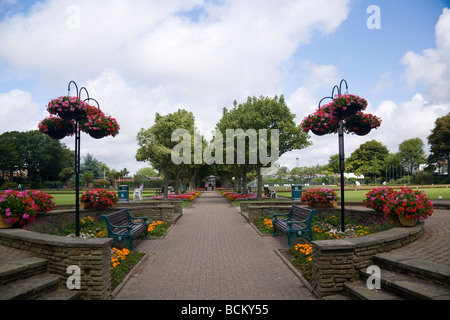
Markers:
(338, 261)
(163, 212)
(92, 256)
(254, 211)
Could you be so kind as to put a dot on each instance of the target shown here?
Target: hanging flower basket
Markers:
(99, 125)
(56, 127)
(362, 123)
(321, 122)
(67, 107)
(347, 105)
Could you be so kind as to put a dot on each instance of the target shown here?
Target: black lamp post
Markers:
(77, 155)
(341, 148)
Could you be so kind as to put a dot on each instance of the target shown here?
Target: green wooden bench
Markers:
(123, 227)
(297, 223)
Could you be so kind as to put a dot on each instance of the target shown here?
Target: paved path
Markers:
(434, 244)
(213, 253)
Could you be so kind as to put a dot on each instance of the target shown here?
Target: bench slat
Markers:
(296, 224)
(121, 227)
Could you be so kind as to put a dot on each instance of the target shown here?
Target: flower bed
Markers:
(327, 227)
(233, 196)
(187, 196)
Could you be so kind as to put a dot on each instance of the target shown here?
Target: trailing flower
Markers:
(66, 104)
(17, 206)
(348, 104)
(96, 120)
(43, 201)
(321, 195)
(322, 121)
(99, 199)
(377, 198)
(408, 203)
(361, 121)
(54, 123)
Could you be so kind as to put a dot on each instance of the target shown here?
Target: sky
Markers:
(137, 58)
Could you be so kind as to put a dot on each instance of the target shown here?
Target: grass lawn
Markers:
(67, 197)
(352, 195)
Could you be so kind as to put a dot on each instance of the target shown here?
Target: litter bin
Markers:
(296, 192)
(124, 193)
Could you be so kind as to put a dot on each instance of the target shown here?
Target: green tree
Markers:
(156, 144)
(35, 154)
(368, 159)
(411, 153)
(88, 177)
(439, 141)
(91, 164)
(146, 173)
(333, 163)
(266, 113)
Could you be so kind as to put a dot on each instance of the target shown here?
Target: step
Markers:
(409, 287)
(358, 290)
(21, 268)
(429, 270)
(30, 288)
(61, 294)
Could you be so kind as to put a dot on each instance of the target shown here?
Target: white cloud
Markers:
(432, 67)
(406, 120)
(19, 111)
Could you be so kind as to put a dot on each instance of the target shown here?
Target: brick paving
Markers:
(213, 253)
(434, 244)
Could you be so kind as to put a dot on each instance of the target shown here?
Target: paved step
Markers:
(21, 269)
(27, 279)
(431, 271)
(408, 287)
(358, 290)
(61, 294)
(30, 288)
(403, 277)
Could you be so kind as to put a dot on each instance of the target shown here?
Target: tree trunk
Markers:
(259, 188)
(177, 182)
(166, 181)
(244, 182)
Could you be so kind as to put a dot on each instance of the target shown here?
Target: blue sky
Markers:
(141, 57)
